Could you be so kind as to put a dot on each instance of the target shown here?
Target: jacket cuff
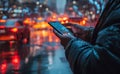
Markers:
(70, 42)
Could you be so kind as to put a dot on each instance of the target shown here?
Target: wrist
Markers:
(70, 42)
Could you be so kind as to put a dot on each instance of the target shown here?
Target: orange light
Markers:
(66, 21)
(3, 21)
(83, 22)
(50, 38)
(40, 18)
(54, 16)
(14, 29)
(43, 25)
(44, 33)
(27, 21)
(62, 22)
(57, 40)
(59, 19)
(33, 22)
(85, 18)
(65, 18)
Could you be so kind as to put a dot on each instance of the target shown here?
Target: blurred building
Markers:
(60, 6)
(51, 4)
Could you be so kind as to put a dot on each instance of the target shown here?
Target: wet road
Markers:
(43, 55)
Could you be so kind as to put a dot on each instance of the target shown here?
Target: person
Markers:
(100, 53)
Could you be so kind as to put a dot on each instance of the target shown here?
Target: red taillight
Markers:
(3, 66)
(15, 60)
(14, 29)
(25, 40)
(1, 27)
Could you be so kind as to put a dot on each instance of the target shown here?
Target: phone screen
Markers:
(59, 27)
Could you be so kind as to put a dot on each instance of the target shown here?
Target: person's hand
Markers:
(65, 38)
(79, 31)
(76, 29)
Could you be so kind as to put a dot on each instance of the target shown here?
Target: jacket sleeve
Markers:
(87, 36)
(85, 33)
(100, 58)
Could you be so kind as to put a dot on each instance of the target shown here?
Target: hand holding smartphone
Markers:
(59, 27)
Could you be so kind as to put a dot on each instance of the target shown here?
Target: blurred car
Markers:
(13, 33)
(78, 20)
(13, 60)
(14, 30)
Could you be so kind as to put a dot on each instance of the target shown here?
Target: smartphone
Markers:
(59, 27)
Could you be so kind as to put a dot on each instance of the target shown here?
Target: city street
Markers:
(27, 42)
(40, 57)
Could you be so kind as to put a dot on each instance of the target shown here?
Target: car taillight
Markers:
(3, 66)
(25, 40)
(14, 29)
(15, 60)
(1, 27)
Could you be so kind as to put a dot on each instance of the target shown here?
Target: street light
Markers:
(74, 2)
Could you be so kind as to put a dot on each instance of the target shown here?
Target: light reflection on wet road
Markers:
(46, 56)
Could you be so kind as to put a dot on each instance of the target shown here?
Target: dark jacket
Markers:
(102, 54)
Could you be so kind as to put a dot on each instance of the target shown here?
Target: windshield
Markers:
(10, 23)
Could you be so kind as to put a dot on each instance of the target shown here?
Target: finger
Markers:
(64, 35)
(74, 30)
(78, 26)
